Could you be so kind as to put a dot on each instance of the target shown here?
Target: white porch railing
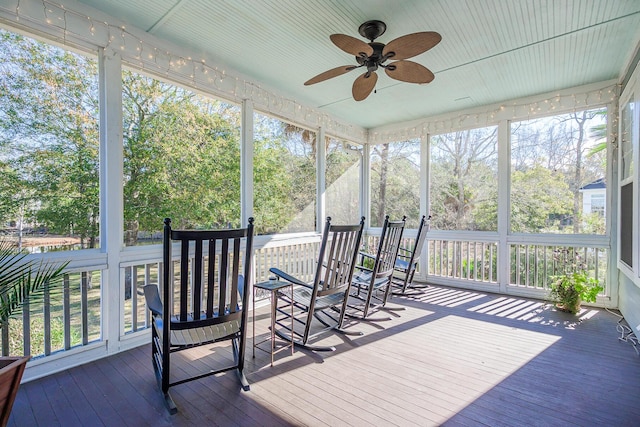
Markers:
(68, 318)
(296, 255)
(534, 265)
(464, 260)
(65, 319)
(75, 319)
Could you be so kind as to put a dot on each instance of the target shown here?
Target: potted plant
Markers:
(574, 285)
(20, 281)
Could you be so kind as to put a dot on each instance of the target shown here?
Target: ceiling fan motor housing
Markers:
(371, 30)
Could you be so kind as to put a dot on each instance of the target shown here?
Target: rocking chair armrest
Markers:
(152, 296)
(362, 268)
(403, 252)
(366, 255)
(289, 278)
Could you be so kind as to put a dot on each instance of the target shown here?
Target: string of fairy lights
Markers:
(140, 50)
(520, 111)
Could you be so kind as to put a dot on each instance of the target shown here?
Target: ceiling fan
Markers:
(373, 55)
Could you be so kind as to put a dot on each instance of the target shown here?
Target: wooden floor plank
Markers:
(91, 386)
(77, 401)
(44, 413)
(454, 358)
(59, 402)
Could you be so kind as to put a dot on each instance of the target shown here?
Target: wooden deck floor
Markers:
(453, 357)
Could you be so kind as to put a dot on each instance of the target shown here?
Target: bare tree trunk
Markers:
(131, 233)
(93, 233)
(461, 208)
(20, 227)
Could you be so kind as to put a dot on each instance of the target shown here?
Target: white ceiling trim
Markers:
(557, 102)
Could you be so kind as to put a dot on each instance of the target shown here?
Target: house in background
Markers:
(594, 197)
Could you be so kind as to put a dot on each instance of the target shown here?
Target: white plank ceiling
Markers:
(491, 50)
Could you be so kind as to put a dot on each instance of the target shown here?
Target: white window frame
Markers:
(631, 95)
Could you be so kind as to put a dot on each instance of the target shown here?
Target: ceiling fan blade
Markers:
(409, 71)
(363, 85)
(411, 45)
(334, 72)
(351, 45)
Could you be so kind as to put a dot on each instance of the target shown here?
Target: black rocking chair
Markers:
(325, 298)
(371, 285)
(211, 295)
(407, 261)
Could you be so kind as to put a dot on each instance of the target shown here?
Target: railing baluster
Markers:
(518, 279)
(5, 339)
(494, 262)
(66, 311)
(475, 260)
(597, 264)
(147, 281)
(468, 258)
(84, 309)
(533, 266)
(459, 254)
(26, 328)
(447, 261)
(47, 320)
(525, 266)
(134, 298)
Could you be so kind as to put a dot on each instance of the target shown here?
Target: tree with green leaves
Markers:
(395, 182)
(540, 199)
(562, 145)
(464, 178)
(284, 176)
(49, 135)
(182, 159)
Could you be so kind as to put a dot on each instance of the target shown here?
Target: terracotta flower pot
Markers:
(572, 310)
(11, 370)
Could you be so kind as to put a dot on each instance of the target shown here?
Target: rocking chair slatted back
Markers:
(371, 286)
(339, 259)
(218, 289)
(388, 248)
(407, 260)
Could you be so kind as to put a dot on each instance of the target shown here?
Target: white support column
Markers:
(111, 196)
(425, 201)
(246, 163)
(612, 206)
(504, 172)
(321, 182)
(365, 184)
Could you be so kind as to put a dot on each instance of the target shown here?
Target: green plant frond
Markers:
(25, 281)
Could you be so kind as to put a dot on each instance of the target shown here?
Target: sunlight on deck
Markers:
(479, 356)
(437, 364)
